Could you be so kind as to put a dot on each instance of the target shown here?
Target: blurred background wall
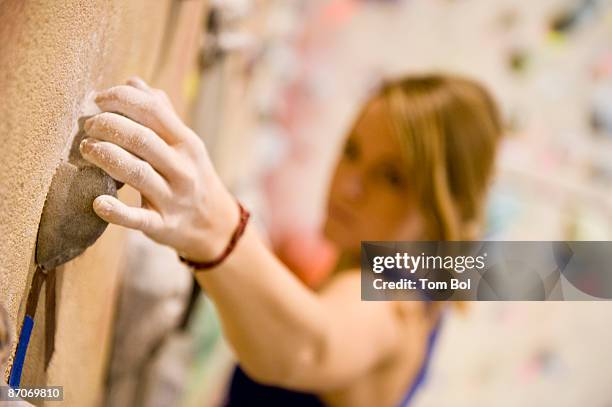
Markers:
(305, 71)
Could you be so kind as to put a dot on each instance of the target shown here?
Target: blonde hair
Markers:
(449, 128)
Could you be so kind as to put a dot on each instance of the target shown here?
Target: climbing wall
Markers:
(53, 55)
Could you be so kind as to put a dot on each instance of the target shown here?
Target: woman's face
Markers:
(370, 195)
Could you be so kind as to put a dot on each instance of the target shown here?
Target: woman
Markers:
(415, 166)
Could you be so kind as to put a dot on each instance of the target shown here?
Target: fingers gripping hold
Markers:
(114, 211)
(145, 108)
(125, 167)
(135, 138)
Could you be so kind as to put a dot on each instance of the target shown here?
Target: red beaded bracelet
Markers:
(238, 232)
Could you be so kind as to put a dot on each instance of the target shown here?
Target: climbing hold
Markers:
(68, 224)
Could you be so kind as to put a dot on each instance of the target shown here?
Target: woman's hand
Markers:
(139, 139)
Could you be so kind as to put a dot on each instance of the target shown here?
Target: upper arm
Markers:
(358, 335)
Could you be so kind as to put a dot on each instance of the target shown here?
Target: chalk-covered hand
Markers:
(139, 139)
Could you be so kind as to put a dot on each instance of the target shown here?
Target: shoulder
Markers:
(343, 291)
(345, 285)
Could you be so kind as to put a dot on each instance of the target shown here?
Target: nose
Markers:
(352, 187)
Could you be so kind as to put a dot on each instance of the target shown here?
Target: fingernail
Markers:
(85, 146)
(99, 96)
(88, 124)
(136, 79)
(102, 205)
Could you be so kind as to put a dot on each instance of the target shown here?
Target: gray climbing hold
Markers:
(68, 224)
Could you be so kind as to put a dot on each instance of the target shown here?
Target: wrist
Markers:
(222, 226)
(221, 239)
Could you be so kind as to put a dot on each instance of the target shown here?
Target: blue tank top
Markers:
(245, 392)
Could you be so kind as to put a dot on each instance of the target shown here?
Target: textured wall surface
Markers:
(53, 54)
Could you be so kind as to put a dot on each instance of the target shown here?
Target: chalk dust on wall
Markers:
(53, 55)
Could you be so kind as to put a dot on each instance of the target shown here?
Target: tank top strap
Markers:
(422, 373)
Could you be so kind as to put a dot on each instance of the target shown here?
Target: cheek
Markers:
(333, 187)
(388, 212)
(338, 183)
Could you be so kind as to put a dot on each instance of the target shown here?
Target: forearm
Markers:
(274, 323)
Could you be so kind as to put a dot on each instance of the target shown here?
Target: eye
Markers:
(351, 150)
(393, 178)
